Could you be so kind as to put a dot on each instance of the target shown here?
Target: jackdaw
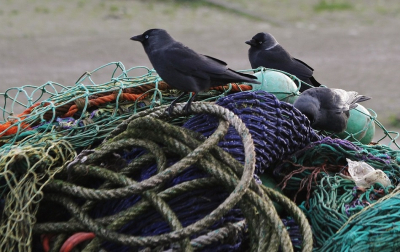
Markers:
(328, 108)
(184, 69)
(265, 51)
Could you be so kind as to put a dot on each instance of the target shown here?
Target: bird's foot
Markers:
(170, 109)
(188, 105)
(187, 108)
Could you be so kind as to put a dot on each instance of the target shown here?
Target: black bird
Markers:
(265, 51)
(328, 108)
(184, 69)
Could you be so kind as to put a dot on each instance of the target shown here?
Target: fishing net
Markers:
(25, 171)
(274, 135)
(330, 198)
(86, 112)
(334, 201)
(43, 127)
(375, 228)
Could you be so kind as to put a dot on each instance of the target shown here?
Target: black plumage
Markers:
(328, 108)
(265, 51)
(184, 69)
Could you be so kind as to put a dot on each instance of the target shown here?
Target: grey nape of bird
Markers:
(265, 51)
(184, 69)
(328, 108)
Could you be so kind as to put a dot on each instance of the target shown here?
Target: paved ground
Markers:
(351, 46)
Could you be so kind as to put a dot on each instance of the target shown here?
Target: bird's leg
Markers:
(171, 107)
(187, 106)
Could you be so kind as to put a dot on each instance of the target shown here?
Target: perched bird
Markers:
(265, 51)
(184, 69)
(328, 108)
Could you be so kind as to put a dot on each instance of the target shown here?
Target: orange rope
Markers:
(105, 99)
(130, 94)
(76, 239)
(235, 88)
(14, 129)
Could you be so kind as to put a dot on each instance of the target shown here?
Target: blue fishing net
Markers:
(277, 128)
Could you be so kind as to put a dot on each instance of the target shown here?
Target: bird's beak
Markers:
(251, 42)
(137, 38)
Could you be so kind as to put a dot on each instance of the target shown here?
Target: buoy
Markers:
(370, 133)
(360, 127)
(278, 84)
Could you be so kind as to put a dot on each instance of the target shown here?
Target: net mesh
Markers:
(43, 127)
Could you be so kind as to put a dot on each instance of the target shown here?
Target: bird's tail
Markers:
(358, 99)
(314, 82)
(245, 77)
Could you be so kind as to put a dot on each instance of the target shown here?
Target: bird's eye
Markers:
(260, 42)
(146, 37)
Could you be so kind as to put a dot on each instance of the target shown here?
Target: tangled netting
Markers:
(159, 186)
(375, 228)
(333, 199)
(25, 171)
(85, 113)
(185, 225)
(329, 155)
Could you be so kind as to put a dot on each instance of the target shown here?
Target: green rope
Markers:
(218, 234)
(265, 227)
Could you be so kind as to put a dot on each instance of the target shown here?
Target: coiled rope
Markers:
(146, 130)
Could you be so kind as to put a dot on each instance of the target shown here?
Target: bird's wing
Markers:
(280, 59)
(302, 62)
(340, 100)
(354, 98)
(347, 100)
(217, 60)
(221, 72)
(189, 62)
(330, 99)
(301, 69)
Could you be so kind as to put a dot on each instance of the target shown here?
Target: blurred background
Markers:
(352, 45)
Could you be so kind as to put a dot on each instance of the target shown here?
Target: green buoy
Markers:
(278, 84)
(360, 127)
